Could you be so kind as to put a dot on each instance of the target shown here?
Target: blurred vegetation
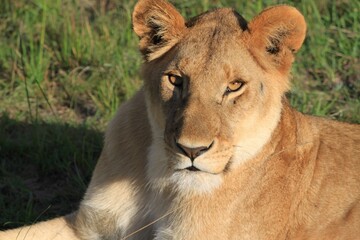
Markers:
(66, 65)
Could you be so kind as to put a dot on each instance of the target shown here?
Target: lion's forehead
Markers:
(209, 61)
(211, 49)
(210, 42)
(204, 65)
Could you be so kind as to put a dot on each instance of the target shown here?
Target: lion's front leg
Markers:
(116, 204)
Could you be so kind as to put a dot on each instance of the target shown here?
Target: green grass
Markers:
(44, 166)
(66, 66)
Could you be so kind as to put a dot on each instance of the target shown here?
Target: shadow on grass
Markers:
(44, 169)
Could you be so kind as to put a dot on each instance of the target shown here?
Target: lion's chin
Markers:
(195, 182)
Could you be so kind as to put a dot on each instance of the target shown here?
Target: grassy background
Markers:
(66, 65)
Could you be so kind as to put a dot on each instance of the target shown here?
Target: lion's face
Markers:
(211, 103)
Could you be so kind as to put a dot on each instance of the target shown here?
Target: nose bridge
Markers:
(197, 125)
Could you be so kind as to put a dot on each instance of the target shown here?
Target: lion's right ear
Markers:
(159, 26)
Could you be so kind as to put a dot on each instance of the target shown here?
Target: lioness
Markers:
(210, 148)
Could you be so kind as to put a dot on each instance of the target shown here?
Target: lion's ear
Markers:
(275, 35)
(159, 26)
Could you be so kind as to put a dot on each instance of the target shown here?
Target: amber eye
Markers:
(175, 80)
(234, 86)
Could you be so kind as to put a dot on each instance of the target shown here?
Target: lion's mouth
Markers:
(197, 170)
(192, 168)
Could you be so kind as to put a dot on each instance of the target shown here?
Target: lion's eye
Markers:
(175, 80)
(234, 86)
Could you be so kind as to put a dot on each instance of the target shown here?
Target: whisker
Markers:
(37, 218)
(150, 224)
(279, 152)
(248, 153)
(289, 148)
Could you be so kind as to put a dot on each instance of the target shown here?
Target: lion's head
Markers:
(214, 87)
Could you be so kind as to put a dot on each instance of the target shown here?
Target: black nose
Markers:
(193, 153)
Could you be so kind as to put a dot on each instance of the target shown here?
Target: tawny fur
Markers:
(270, 172)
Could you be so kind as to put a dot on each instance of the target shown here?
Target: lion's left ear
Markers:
(275, 35)
(159, 26)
